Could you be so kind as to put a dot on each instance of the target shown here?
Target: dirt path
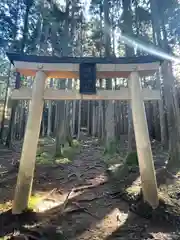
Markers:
(91, 211)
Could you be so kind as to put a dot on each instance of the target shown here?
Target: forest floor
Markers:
(80, 199)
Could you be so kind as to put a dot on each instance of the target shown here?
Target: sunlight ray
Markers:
(109, 224)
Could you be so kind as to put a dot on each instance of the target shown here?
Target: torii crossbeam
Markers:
(67, 67)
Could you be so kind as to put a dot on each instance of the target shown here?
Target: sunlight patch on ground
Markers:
(5, 206)
(43, 201)
(50, 201)
(103, 229)
(62, 161)
(167, 236)
(137, 181)
(114, 167)
(177, 174)
(47, 204)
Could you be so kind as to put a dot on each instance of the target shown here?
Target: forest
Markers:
(105, 166)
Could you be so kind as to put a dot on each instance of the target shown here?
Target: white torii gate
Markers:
(45, 67)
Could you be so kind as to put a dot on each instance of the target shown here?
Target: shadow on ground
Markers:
(99, 207)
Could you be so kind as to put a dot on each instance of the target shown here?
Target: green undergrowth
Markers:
(68, 152)
(114, 155)
(132, 159)
(119, 167)
(46, 153)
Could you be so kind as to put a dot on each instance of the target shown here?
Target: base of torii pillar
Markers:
(145, 158)
(28, 155)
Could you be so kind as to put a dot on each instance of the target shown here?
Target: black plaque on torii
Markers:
(87, 75)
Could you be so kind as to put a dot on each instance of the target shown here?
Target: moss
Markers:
(42, 160)
(62, 161)
(75, 143)
(111, 147)
(45, 158)
(45, 154)
(59, 152)
(45, 141)
(68, 152)
(113, 159)
(39, 151)
(134, 190)
(33, 201)
(132, 159)
(118, 171)
(5, 206)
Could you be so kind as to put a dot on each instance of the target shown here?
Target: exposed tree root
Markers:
(84, 210)
(79, 189)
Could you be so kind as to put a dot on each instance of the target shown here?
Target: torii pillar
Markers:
(145, 158)
(28, 154)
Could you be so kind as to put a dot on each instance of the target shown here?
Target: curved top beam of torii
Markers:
(68, 67)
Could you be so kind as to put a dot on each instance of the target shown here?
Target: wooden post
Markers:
(28, 155)
(146, 165)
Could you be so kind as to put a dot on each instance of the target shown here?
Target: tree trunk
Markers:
(94, 120)
(5, 106)
(155, 22)
(109, 117)
(127, 29)
(79, 119)
(60, 128)
(74, 118)
(13, 114)
(60, 121)
(164, 137)
(88, 117)
(49, 127)
(173, 115)
(15, 103)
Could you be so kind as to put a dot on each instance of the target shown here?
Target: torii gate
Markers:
(68, 67)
